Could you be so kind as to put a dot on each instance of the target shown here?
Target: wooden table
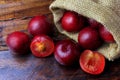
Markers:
(14, 15)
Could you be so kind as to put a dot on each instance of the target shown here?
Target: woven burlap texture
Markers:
(106, 12)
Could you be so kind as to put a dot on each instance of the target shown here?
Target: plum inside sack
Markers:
(95, 10)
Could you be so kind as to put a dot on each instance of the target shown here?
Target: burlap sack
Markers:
(106, 12)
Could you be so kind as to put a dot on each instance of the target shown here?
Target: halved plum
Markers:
(92, 62)
(42, 46)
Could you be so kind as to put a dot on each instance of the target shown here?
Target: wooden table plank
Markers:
(32, 68)
(23, 8)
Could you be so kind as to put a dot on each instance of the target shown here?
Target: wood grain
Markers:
(32, 68)
(23, 8)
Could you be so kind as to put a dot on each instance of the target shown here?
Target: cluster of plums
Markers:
(91, 33)
(40, 44)
(66, 52)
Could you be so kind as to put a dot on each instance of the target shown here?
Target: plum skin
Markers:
(66, 52)
(18, 43)
(106, 35)
(39, 25)
(72, 22)
(89, 38)
(93, 23)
